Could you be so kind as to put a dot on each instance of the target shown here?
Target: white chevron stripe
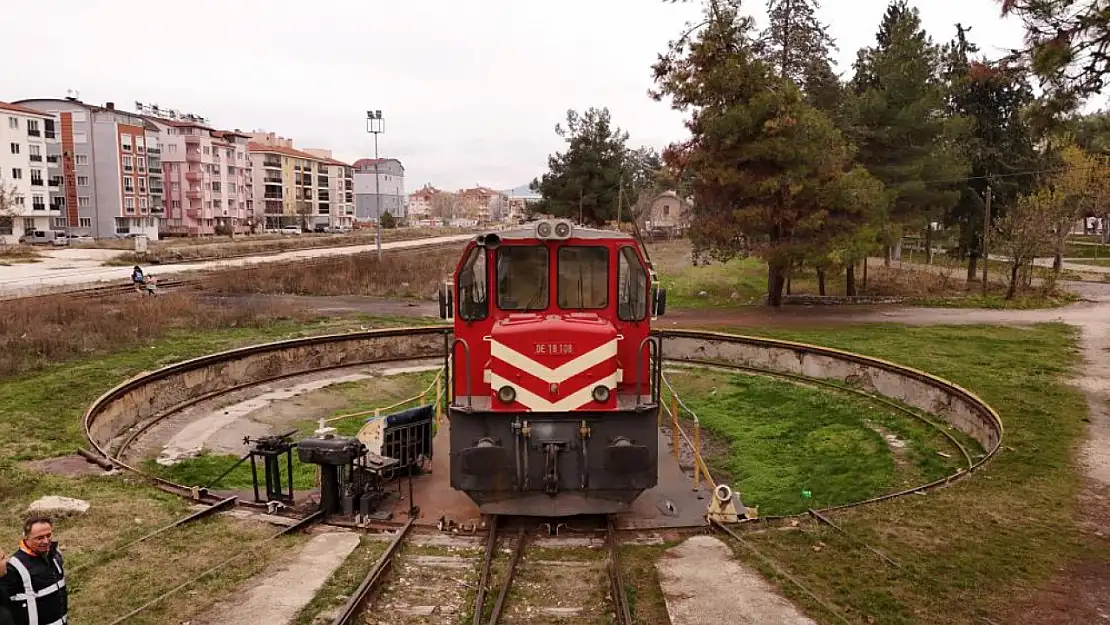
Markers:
(536, 403)
(564, 371)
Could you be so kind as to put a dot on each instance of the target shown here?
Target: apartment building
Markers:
(208, 178)
(484, 204)
(286, 191)
(335, 191)
(28, 180)
(387, 193)
(420, 202)
(102, 157)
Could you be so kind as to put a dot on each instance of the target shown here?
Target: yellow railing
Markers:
(436, 385)
(674, 411)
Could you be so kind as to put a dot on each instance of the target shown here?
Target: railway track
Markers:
(414, 585)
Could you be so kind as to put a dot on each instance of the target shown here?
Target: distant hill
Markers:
(521, 191)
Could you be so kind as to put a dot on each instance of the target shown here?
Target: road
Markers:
(77, 267)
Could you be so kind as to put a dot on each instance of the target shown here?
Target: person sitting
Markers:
(137, 277)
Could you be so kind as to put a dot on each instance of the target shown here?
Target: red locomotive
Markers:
(555, 373)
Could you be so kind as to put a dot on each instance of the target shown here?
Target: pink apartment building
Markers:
(208, 184)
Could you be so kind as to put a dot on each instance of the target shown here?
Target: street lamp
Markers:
(375, 125)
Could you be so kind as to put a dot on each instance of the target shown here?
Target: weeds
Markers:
(399, 274)
(37, 331)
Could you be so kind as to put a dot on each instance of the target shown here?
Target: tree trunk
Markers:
(1106, 228)
(1013, 279)
(850, 279)
(777, 277)
(865, 274)
(1057, 264)
(789, 276)
(972, 267)
(897, 251)
(929, 244)
(821, 281)
(888, 252)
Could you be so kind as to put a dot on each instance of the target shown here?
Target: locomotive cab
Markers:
(554, 381)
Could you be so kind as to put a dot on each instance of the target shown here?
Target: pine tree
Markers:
(992, 98)
(766, 168)
(898, 120)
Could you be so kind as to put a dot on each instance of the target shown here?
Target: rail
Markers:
(146, 399)
(436, 384)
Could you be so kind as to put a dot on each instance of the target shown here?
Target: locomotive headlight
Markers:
(562, 230)
(543, 229)
(601, 393)
(506, 394)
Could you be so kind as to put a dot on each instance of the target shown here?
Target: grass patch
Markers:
(786, 439)
(1086, 250)
(1095, 262)
(641, 583)
(960, 540)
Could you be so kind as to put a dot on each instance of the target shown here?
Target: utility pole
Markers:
(986, 237)
(376, 126)
(620, 196)
(580, 207)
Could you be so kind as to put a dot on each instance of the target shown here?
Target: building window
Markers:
(129, 205)
(17, 173)
(38, 202)
(175, 204)
(81, 159)
(125, 142)
(142, 203)
(142, 165)
(60, 222)
(18, 200)
(142, 185)
(83, 201)
(35, 152)
(33, 127)
(13, 122)
(140, 143)
(129, 184)
(128, 164)
(207, 150)
(85, 222)
(82, 181)
(29, 225)
(15, 148)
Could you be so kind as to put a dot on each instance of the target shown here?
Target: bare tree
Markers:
(445, 205)
(9, 199)
(1028, 230)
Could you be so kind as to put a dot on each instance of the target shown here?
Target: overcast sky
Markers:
(471, 91)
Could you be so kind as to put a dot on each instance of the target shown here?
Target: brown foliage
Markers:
(415, 273)
(35, 332)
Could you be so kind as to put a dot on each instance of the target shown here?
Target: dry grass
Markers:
(18, 254)
(415, 273)
(39, 331)
(214, 248)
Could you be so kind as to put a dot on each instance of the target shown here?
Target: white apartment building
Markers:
(335, 191)
(24, 174)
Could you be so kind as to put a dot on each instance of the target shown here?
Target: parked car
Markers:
(290, 230)
(44, 237)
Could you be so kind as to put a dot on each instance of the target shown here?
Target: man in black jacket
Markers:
(5, 604)
(35, 580)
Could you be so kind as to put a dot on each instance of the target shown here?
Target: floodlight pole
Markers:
(375, 125)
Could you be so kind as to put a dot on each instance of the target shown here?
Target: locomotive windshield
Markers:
(522, 282)
(583, 277)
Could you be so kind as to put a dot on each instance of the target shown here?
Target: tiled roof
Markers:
(15, 108)
(254, 146)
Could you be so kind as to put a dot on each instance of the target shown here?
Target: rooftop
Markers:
(15, 108)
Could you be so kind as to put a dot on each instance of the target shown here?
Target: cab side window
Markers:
(473, 302)
(632, 286)
(522, 277)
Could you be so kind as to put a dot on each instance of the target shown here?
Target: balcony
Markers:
(272, 196)
(38, 207)
(193, 194)
(272, 179)
(35, 158)
(193, 176)
(33, 133)
(271, 163)
(36, 182)
(192, 139)
(154, 164)
(153, 151)
(52, 159)
(49, 134)
(55, 181)
(321, 181)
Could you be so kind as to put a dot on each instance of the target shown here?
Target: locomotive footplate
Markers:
(555, 464)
